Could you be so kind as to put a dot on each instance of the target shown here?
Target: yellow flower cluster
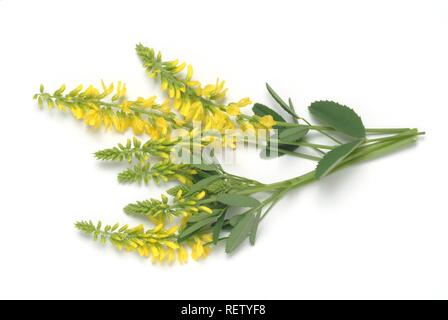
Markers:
(161, 211)
(193, 101)
(159, 244)
(98, 108)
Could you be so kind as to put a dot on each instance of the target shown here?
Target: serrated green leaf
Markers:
(334, 157)
(237, 200)
(339, 117)
(239, 233)
(262, 110)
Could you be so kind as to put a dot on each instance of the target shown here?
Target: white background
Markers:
(376, 230)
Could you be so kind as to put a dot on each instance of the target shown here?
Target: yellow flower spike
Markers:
(162, 125)
(103, 85)
(91, 91)
(126, 106)
(155, 251)
(162, 255)
(147, 103)
(233, 109)
(178, 94)
(197, 250)
(205, 209)
(207, 237)
(158, 228)
(200, 195)
(177, 103)
(171, 245)
(182, 255)
(107, 121)
(171, 92)
(189, 72)
(181, 179)
(93, 118)
(50, 104)
(244, 102)
(185, 108)
(137, 125)
(171, 254)
(267, 121)
(166, 106)
(77, 112)
(207, 91)
(121, 124)
(247, 127)
(180, 67)
(164, 85)
(173, 63)
(77, 90)
(199, 114)
(150, 130)
(60, 106)
(122, 92)
(143, 251)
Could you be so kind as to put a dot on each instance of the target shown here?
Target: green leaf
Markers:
(237, 200)
(201, 184)
(253, 232)
(41, 88)
(195, 227)
(218, 227)
(334, 157)
(206, 167)
(294, 116)
(262, 110)
(240, 232)
(294, 134)
(339, 117)
(236, 219)
(280, 101)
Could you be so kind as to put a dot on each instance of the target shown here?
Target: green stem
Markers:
(361, 154)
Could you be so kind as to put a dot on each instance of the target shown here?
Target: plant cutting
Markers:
(210, 206)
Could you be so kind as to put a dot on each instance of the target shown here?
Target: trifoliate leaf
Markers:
(334, 157)
(339, 117)
(240, 232)
(237, 200)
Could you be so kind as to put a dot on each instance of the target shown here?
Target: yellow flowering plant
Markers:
(204, 208)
